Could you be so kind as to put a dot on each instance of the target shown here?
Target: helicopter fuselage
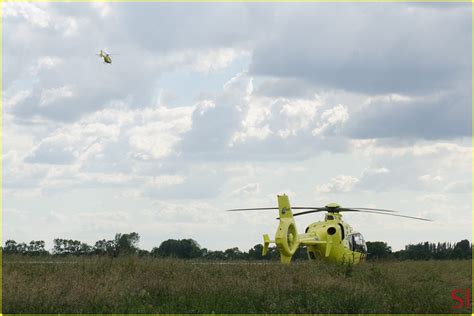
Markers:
(106, 57)
(331, 239)
(348, 246)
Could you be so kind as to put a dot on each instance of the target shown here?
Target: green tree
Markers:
(143, 253)
(378, 250)
(22, 248)
(155, 252)
(10, 247)
(256, 253)
(126, 244)
(215, 255)
(36, 248)
(234, 254)
(184, 249)
(462, 250)
(104, 247)
(439, 251)
(70, 247)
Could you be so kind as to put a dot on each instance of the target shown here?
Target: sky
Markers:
(213, 106)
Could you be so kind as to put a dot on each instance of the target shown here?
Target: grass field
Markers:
(145, 285)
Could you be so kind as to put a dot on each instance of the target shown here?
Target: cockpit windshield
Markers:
(357, 243)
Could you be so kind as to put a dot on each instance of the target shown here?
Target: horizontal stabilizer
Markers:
(266, 243)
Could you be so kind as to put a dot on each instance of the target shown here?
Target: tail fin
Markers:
(286, 237)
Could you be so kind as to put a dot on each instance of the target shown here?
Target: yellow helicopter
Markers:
(105, 56)
(331, 239)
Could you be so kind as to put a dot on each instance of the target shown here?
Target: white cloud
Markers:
(428, 178)
(106, 178)
(381, 170)
(81, 140)
(159, 182)
(104, 9)
(199, 213)
(204, 61)
(204, 106)
(254, 124)
(38, 15)
(23, 193)
(102, 149)
(434, 148)
(463, 186)
(241, 85)
(16, 98)
(373, 147)
(68, 25)
(45, 62)
(157, 139)
(254, 112)
(18, 174)
(33, 13)
(53, 94)
(151, 133)
(298, 115)
(99, 220)
(264, 116)
(129, 194)
(246, 190)
(390, 97)
(340, 183)
(213, 60)
(331, 119)
(433, 198)
(153, 141)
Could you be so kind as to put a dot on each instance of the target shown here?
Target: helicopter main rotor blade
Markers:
(341, 208)
(306, 207)
(361, 211)
(275, 208)
(314, 208)
(370, 209)
(374, 212)
(321, 209)
(252, 209)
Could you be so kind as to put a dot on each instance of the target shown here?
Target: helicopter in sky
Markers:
(105, 56)
(332, 239)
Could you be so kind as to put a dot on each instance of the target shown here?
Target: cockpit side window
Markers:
(357, 243)
(350, 240)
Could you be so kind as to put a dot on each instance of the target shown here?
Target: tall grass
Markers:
(146, 285)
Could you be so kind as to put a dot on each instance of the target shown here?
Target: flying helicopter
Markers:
(105, 56)
(332, 239)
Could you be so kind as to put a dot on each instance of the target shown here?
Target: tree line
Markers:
(421, 251)
(127, 244)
